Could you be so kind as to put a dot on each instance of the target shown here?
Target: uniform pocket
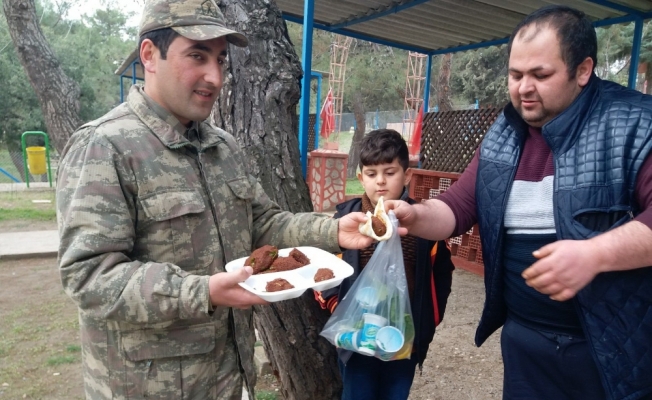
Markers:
(242, 212)
(171, 228)
(242, 188)
(168, 205)
(159, 362)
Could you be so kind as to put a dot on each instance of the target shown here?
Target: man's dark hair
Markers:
(162, 38)
(577, 38)
(383, 146)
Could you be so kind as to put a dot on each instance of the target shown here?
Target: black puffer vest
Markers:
(599, 144)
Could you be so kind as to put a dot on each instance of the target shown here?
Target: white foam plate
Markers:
(301, 278)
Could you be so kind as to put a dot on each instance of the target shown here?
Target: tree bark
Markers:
(443, 83)
(360, 122)
(58, 95)
(258, 106)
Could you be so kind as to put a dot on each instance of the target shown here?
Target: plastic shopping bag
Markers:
(375, 318)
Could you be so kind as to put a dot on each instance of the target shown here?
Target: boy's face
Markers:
(387, 180)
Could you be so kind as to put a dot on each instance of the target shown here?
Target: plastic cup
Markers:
(372, 323)
(367, 298)
(347, 340)
(389, 340)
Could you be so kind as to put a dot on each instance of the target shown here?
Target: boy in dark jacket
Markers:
(384, 171)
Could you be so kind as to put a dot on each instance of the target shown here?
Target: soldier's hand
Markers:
(348, 235)
(224, 290)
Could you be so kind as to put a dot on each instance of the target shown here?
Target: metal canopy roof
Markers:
(437, 26)
(426, 26)
(445, 26)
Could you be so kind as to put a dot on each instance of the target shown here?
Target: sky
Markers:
(89, 6)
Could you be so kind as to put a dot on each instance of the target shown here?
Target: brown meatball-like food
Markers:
(378, 225)
(284, 264)
(324, 274)
(277, 285)
(300, 257)
(262, 258)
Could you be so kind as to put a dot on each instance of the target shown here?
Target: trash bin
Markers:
(36, 160)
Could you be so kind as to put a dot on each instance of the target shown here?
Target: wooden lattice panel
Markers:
(312, 119)
(450, 138)
(466, 249)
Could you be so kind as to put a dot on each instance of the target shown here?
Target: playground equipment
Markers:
(36, 157)
(414, 87)
(339, 55)
(10, 176)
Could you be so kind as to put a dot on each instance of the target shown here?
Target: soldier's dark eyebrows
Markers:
(207, 49)
(200, 47)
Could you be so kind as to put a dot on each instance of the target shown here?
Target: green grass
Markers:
(26, 213)
(353, 186)
(343, 139)
(19, 206)
(59, 360)
(265, 395)
(73, 348)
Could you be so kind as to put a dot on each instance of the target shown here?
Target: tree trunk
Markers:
(58, 95)
(258, 106)
(443, 83)
(360, 121)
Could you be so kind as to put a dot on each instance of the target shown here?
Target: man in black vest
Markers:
(561, 188)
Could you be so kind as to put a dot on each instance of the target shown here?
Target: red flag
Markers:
(415, 141)
(327, 116)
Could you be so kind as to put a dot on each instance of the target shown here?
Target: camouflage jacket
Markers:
(145, 218)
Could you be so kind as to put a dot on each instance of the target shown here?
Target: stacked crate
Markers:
(466, 249)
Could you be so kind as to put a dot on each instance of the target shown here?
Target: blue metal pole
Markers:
(306, 62)
(636, 51)
(122, 89)
(426, 89)
(133, 71)
(13, 178)
(317, 107)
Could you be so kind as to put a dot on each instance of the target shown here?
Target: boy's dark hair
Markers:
(162, 38)
(382, 146)
(577, 38)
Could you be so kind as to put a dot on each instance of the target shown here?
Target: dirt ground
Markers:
(39, 333)
(40, 358)
(455, 368)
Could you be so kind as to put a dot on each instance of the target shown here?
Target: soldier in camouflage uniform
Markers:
(152, 203)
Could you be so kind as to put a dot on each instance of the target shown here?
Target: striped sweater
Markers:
(529, 224)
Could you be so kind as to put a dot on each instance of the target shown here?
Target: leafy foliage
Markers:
(89, 50)
(376, 72)
(481, 75)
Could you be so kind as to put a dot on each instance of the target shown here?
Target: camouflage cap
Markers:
(193, 19)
